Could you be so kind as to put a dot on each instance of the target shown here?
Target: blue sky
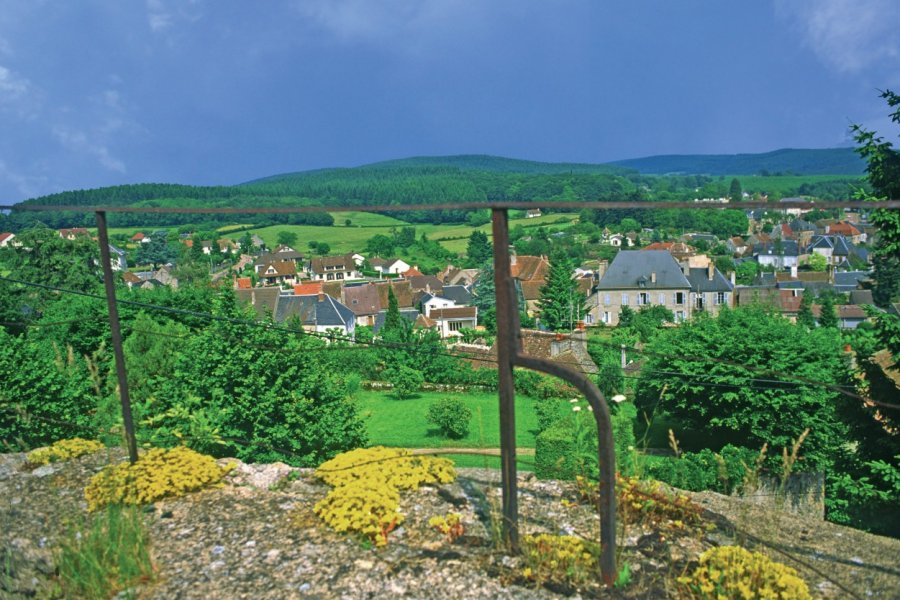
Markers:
(102, 92)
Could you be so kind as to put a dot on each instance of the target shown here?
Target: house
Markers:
(425, 283)
(140, 238)
(402, 292)
(616, 240)
(460, 294)
(318, 313)
(6, 239)
(412, 272)
(117, 259)
(847, 281)
(364, 301)
(710, 290)
(450, 320)
(679, 250)
(278, 272)
(257, 241)
(131, 279)
(453, 276)
(284, 252)
(779, 254)
(833, 247)
(736, 245)
(532, 213)
(243, 283)
(227, 246)
(849, 315)
(638, 278)
(410, 314)
(74, 233)
(394, 266)
(431, 302)
(334, 268)
(803, 231)
(848, 231)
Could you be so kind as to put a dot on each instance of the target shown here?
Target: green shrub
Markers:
(451, 415)
(705, 470)
(623, 437)
(406, 380)
(548, 412)
(555, 452)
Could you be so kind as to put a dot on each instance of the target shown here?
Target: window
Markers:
(455, 325)
(606, 299)
(679, 298)
(662, 298)
(340, 275)
(589, 318)
(721, 297)
(643, 298)
(679, 316)
(607, 318)
(624, 299)
(330, 277)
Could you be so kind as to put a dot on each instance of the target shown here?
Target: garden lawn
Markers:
(402, 423)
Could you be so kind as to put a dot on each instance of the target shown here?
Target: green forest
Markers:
(423, 181)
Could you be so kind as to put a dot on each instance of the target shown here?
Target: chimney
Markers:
(601, 268)
(512, 255)
(793, 271)
(686, 269)
(731, 276)
(321, 296)
(653, 277)
(711, 270)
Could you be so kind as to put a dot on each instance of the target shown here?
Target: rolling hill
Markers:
(787, 161)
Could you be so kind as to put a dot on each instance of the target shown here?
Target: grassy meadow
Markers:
(342, 238)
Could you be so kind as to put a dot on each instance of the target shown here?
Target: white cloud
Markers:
(351, 20)
(27, 185)
(12, 86)
(161, 16)
(78, 141)
(850, 35)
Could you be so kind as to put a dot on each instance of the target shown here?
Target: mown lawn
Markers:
(392, 422)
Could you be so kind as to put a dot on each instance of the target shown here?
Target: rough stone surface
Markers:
(257, 537)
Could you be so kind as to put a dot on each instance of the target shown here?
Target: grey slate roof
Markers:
(788, 247)
(458, 293)
(632, 269)
(700, 281)
(324, 312)
(846, 281)
(409, 314)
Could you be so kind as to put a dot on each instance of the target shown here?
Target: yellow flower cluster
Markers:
(367, 484)
(451, 525)
(733, 572)
(63, 450)
(160, 473)
(559, 558)
(649, 502)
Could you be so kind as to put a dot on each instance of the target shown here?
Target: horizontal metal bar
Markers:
(635, 205)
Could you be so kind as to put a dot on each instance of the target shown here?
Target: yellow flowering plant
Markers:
(560, 559)
(63, 450)
(733, 572)
(367, 484)
(159, 473)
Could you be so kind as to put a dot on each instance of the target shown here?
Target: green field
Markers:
(392, 422)
(342, 239)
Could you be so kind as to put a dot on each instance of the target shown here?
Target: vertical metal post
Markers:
(507, 344)
(103, 239)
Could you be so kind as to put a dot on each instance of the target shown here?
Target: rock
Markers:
(46, 470)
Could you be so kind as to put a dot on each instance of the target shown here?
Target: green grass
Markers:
(107, 553)
(342, 239)
(402, 423)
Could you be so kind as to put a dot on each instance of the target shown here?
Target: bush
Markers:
(555, 452)
(160, 473)
(452, 417)
(406, 380)
(733, 572)
(705, 470)
(562, 559)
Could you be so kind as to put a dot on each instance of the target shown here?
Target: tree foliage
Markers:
(479, 248)
(716, 392)
(561, 302)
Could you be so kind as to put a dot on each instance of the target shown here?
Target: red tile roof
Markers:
(244, 283)
(308, 288)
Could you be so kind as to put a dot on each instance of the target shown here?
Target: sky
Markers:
(218, 92)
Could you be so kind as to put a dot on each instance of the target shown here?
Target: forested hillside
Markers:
(787, 161)
(423, 180)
